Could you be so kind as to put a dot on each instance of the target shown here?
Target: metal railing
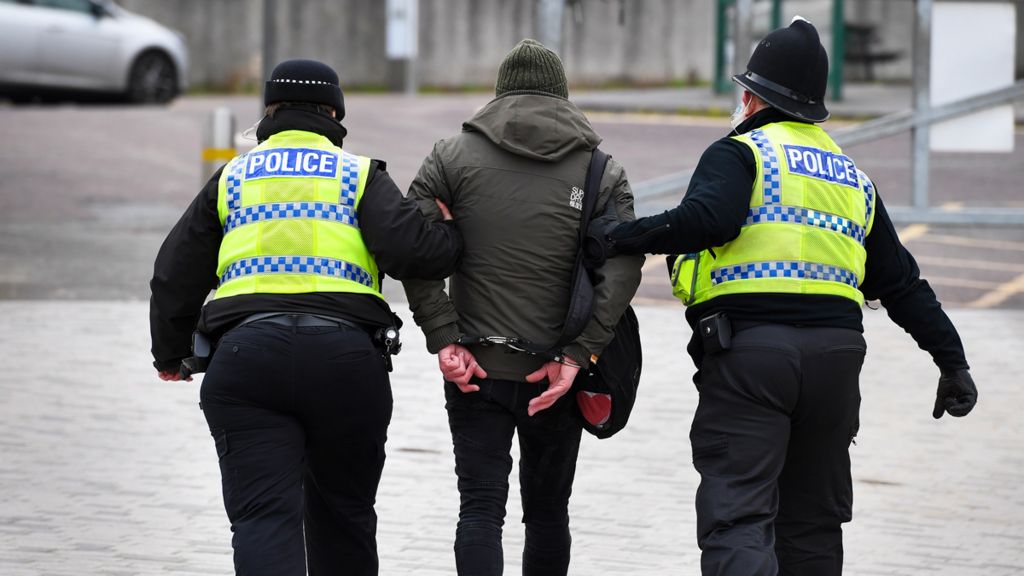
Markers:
(919, 121)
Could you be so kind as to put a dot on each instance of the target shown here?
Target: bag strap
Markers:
(591, 190)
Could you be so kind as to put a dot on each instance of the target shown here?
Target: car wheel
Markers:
(153, 79)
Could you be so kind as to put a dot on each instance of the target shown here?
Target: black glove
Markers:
(598, 247)
(956, 394)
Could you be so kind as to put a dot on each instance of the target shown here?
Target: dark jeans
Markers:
(482, 425)
(299, 417)
(771, 439)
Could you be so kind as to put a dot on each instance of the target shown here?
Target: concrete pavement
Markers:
(106, 470)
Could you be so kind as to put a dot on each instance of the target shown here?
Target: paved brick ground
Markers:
(106, 470)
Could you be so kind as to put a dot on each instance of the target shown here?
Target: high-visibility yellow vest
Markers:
(810, 211)
(289, 211)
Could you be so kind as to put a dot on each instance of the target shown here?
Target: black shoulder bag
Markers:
(606, 392)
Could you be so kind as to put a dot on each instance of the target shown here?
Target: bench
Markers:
(859, 48)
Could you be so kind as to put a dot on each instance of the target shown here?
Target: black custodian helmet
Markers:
(789, 71)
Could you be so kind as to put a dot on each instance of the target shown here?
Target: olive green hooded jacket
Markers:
(513, 180)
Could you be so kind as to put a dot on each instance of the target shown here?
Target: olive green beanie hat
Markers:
(531, 68)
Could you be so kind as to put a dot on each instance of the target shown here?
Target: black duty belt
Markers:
(299, 320)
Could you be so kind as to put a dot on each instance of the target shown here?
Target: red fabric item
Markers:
(596, 407)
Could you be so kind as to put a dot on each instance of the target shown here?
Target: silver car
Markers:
(88, 45)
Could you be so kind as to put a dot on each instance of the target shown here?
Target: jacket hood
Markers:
(535, 126)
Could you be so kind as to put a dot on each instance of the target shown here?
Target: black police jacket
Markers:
(403, 242)
(715, 208)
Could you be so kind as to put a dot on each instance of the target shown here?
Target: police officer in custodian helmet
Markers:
(295, 236)
(781, 238)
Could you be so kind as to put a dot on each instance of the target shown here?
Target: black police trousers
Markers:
(299, 416)
(483, 424)
(770, 439)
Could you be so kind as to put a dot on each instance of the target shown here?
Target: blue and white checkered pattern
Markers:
(772, 177)
(802, 270)
(806, 216)
(297, 265)
(869, 196)
(282, 210)
(349, 179)
(234, 182)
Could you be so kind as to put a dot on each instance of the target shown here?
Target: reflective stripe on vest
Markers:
(297, 265)
(810, 212)
(289, 212)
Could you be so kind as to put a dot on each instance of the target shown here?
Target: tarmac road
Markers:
(88, 192)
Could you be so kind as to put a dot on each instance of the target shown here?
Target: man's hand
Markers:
(458, 365)
(168, 376)
(956, 394)
(446, 214)
(559, 377)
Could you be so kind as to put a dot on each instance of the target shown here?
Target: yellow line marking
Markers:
(1001, 294)
(974, 242)
(211, 154)
(913, 231)
(971, 264)
(963, 283)
(952, 206)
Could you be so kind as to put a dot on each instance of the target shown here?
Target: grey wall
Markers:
(223, 37)
(463, 41)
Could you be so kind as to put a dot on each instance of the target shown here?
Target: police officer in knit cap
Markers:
(780, 239)
(295, 238)
(515, 176)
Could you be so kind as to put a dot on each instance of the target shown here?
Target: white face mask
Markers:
(738, 115)
(250, 132)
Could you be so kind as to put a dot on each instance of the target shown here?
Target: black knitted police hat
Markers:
(305, 81)
(789, 71)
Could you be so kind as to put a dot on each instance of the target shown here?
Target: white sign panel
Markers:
(972, 53)
(403, 22)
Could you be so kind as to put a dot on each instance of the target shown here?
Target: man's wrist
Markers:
(442, 336)
(578, 355)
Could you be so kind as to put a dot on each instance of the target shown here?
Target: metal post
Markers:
(741, 41)
(412, 86)
(776, 14)
(269, 41)
(549, 23)
(922, 101)
(218, 141)
(838, 49)
(403, 44)
(722, 84)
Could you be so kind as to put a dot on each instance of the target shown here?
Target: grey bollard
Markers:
(218, 141)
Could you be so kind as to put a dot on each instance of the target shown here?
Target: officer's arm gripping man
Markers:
(617, 279)
(403, 242)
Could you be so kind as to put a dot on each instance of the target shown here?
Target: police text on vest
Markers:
(821, 164)
(291, 163)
